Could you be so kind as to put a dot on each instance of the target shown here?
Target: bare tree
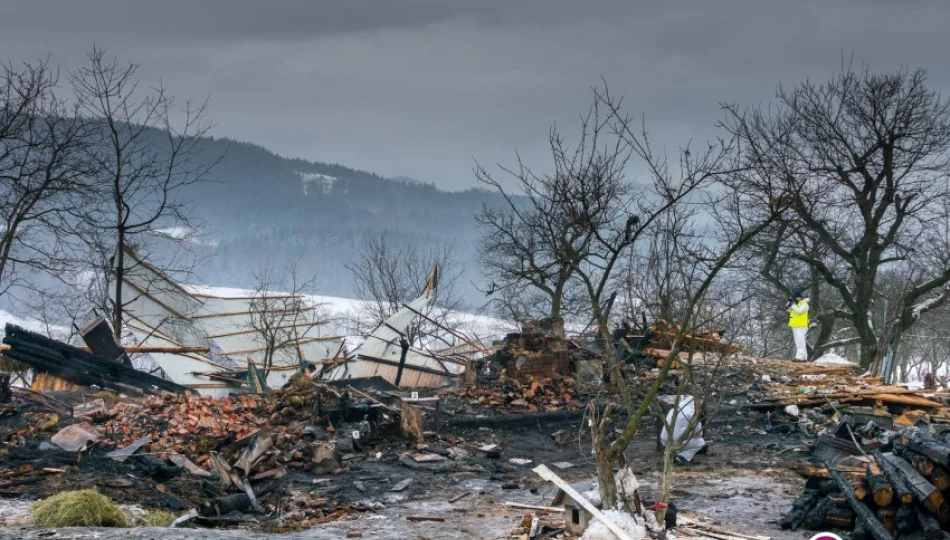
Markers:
(41, 181)
(523, 244)
(606, 215)
(387, 276)
(862, 161)
(143, 152)
(282, 313)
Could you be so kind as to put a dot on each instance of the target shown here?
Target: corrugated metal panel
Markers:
(383, 343)
(163, 313)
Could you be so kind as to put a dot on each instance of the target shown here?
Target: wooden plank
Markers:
(700, 525)
(533, 507)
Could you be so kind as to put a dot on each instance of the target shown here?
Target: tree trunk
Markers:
(557, 300)
(605, 468)
(669, 452)
(119, 276)
(868, 350)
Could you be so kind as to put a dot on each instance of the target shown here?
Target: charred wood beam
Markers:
(928, 525)
(935, 451)
(923, 491)
(881, 489)
(901, 489)
(874, 526)
(801, 507)
(76, 365)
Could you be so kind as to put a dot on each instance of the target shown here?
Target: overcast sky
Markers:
(420, 88)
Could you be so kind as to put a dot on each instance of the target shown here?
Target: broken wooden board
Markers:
(187, 464)
(124, 453)
(259, 443)
(524, 506)
(410, 422)
(906, 399)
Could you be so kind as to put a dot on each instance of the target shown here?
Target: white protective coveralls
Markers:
(696, 442)
(798, 322)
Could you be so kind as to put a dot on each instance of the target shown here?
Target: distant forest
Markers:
(258, 207)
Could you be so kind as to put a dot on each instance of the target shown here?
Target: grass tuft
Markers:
(84, 508)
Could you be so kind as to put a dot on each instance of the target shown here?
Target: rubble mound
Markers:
(196, 426)
(511, 396)
(83, 508)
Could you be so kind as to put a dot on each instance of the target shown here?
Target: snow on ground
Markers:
(349, 309)
(832, 358)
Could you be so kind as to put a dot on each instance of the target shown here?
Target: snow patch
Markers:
(832, 358)
(597, 530)
(342, 309)
(323, 181)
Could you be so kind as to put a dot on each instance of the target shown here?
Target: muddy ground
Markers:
(743, 482)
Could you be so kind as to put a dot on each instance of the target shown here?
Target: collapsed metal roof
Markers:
(161, 312)
(380, 354)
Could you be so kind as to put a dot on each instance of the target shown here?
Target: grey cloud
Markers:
(420, 87)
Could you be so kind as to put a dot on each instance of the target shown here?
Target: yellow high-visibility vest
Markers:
(798, 315)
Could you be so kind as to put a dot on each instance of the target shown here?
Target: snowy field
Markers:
(343, 311)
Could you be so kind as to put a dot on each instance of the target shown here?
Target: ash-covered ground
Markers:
(741, 481)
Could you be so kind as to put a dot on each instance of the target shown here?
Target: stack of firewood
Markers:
(883, 495)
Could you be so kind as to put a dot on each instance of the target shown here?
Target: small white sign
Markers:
(415, 395)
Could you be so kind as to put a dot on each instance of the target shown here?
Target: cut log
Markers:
(874, 526)
(839, 501)
(800, 508)
(924, 465)
(928, 525)
(901, 491)
(815, 518)
(153, 468)
(905, 518)
(940, 478)
(943, 514)
(880, 488)
(860, 531)
(886, 517)
(923, 491)
(815, 473)
(239, 502)
(840, 518)
(935, 451)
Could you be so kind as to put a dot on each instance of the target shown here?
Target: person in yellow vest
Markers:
(798, 322)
